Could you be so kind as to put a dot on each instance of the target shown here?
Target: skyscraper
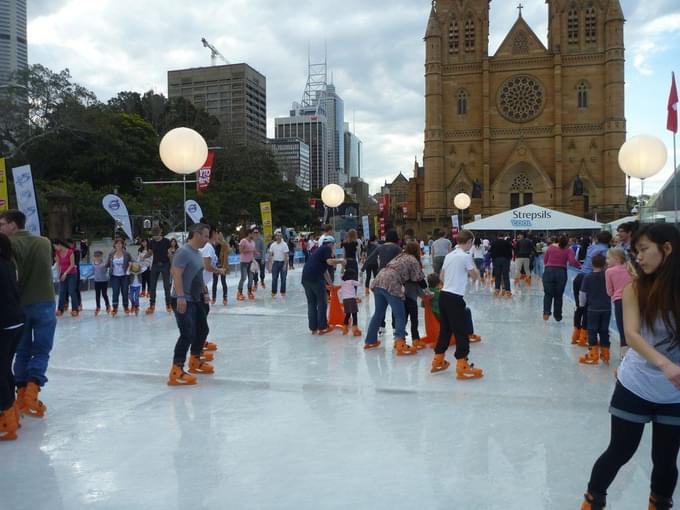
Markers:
(234, 93)
(13, 51)
(353, 147)
(292, 157)
(334, 107)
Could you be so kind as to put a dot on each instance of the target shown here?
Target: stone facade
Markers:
(531, 124)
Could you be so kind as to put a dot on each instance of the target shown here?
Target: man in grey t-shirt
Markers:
(440, 249)
(189, 294)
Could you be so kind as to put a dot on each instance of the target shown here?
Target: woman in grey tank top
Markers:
(648, 386)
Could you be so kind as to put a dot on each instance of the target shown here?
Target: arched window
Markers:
(462, 102)
(582, 94)
(591, 25)
(572, 26)
(469, 35)
(453, 36)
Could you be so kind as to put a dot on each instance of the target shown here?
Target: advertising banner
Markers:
(455, 226)
(26, 201)
(376, 224)
(266, 212)
(115, 206)
(193, 210)
(203, 175)
(366, 224)
(4, 197)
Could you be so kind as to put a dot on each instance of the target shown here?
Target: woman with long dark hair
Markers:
(648, 386)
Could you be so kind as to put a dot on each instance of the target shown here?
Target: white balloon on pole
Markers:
(643, 156)
(183, 151)
(332, 195)
(462, 201)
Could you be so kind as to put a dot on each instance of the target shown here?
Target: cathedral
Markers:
(528, 124)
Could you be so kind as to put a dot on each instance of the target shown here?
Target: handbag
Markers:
(254, 267)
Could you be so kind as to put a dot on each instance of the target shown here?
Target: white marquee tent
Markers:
(533, 217)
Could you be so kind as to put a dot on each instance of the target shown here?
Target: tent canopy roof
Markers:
(533, 217)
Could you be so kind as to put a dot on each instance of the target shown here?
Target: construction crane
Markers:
(214, 52)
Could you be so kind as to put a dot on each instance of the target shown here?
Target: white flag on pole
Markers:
(115, 206)
(194, 210)
(26, 201)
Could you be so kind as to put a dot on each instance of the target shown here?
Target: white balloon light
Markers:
(332, 195)
(183, 151)
(462, 201)
(643, 156)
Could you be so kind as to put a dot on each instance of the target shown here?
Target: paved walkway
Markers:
(294, 421)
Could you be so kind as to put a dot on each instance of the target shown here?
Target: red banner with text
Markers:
(203, 175)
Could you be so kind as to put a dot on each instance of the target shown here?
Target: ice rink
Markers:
(295, 421)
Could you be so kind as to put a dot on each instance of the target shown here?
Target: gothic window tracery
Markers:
(521, 98)
(521, 183)
(462, 102)
(470, 35)
(582, 94)
(591, 25)
(572, 26)
(453, 36)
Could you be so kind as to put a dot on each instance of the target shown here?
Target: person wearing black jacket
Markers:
(11, 329)
(501, 255)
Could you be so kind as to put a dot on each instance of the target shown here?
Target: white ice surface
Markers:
(294, 421)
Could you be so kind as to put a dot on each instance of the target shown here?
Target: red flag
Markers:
(203, 175)
(672, 124)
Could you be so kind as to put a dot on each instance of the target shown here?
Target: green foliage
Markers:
(84, 147)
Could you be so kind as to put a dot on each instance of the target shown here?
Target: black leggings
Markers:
(411, 309)
(100, 291)
(370, 270)
(9, 340)
(625, 439)
(353, 315)
(581, 313)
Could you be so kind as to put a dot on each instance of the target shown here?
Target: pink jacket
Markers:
(617, 278)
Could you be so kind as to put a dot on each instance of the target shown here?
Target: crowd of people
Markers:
(635, 274)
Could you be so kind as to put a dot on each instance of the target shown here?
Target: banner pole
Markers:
(675, 179)
(184, 213)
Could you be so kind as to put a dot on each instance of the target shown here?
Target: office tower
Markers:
(353, 148)
(334, 107)
(13, 51)
(234, 93)
(292, 157)
(312, 128)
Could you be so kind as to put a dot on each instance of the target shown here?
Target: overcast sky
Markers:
(375, 52)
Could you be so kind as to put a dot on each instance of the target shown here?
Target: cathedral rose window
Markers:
(521, 98)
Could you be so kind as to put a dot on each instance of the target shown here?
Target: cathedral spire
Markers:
(433, 27)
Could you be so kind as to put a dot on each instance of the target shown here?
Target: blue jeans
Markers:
(134, 295)
(119, 285)
(69, 287)
(598, 325)
(245, 274)
(539, 267)
(554, 282)
(279, 269)
(383, 298)
(33, 353)
(317, 301)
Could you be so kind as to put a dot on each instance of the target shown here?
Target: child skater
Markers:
(348, 294)
(593, 295)
(618, 275)
(136, 269)
(101, 282)
(649, 375)
(434, 284)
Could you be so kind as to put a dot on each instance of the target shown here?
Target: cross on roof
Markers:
(520, 7)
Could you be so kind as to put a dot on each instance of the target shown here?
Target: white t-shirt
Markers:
(118, 266)
(279, 251)
(441, 247)
(208, 251)
(478, 252)
(323, 238)
(455, 268)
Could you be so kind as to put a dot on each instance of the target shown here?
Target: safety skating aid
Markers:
(209, 346)
(403, 349)
(439, 364)
(466, 370)
(8, 425)
(593, 501)
(604, 355)
(659, 502)
(356, 331)
(373, 345)
(31, 405)
(178, 377)
(592, 357)
(196, 366)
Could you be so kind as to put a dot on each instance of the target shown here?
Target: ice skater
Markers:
(348, 295)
